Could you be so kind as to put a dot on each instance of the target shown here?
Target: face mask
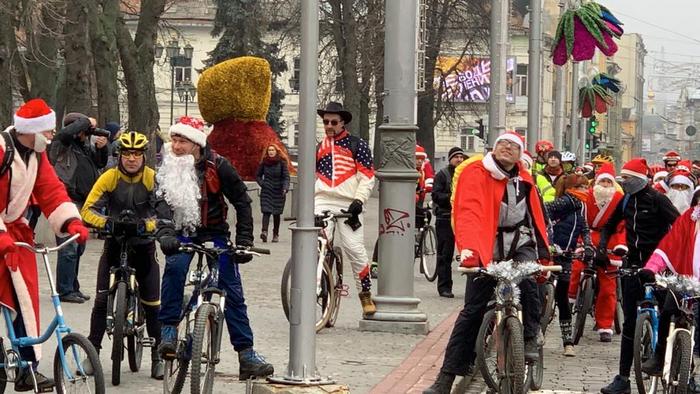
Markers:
(680, 199)
(40, 143)
(633, 185)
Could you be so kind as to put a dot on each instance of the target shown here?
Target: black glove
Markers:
(169, 244)
(353, 222)
(589, 253)
(646, 276)
(355, 207)
(601, 258)
(242, 258)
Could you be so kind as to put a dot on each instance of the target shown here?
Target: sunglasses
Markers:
(331, 122)
(132, 153)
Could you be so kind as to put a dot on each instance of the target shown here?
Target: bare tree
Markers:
(103, 40)
(78, 58)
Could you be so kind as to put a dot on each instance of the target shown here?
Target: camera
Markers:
(98, 132)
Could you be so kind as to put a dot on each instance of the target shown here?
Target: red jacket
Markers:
(478, 193)
(425, 181)
(598, 217)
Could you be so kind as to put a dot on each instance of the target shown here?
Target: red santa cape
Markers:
(598, 216)
(680, 248)
(478, 193)
(17, 186)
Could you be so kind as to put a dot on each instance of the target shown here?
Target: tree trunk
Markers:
(38, 74)
(137, 58)
(103, 39)
(7, 37)
(78, 58)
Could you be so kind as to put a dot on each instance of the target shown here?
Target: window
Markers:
(467, 141)
(183, 74)
(521, 80)
(296, 74)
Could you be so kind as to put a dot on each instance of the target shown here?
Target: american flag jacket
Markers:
(340, 177)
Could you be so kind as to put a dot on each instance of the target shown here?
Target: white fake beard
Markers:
(603, 194)
(179, 185)
(41, 143)
(680, 198)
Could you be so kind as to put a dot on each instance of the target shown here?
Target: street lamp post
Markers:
(176, 59)
(186, 91)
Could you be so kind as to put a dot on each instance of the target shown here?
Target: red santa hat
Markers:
(606, 171)
(527, 158)
(660, 175)
(420, 152)
(684, 165)
(681, 178)
(636, 167)
(513, 137)
(671, 156)
(35, 117)
(190, 128)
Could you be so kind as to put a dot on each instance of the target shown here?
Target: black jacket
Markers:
(273, 178)
(442, 191)
(217, 179)
(648, 216)
(89, 159)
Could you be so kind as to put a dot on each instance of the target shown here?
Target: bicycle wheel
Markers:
(325, 294)
(118, 332)
(513, 378)
(203, 352)
(71, 378)
(429, 254)
(285, 286)
(548, 306)
(336, 272)
(486, 350)
(584, 303)
(536, 372)
(643, 351)
(134, 340)
(680, 364)
(176, 370)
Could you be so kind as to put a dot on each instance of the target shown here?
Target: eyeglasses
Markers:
(508, 144)
(132, 153)
(331, 122)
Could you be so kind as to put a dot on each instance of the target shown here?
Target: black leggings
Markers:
(266, 223)
(142, 257)
(561, 293)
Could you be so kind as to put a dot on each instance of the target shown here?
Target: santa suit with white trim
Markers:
(30, 173)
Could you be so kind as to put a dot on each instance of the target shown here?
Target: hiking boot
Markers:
(442, 385)
(619, 385)
(168, 342)
(605, 336)
(157, 367)
(275, 238)
(253, 365)
(263, 236)
(25, 382)
(569, 351)
(654, 365)
(368, 307)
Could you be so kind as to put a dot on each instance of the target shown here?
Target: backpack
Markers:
(64, 160)
(9, 154)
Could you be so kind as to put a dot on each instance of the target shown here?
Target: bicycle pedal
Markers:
(148, 342)
(344, 290)
(45, 390)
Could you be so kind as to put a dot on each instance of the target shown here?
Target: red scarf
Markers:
(578, 194)
(553, 171)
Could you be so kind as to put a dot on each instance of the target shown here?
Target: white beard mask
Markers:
(680, 198)
(40, 143)
(603, 194)
(179, 185)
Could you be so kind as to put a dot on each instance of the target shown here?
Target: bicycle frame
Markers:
(683, 322)
(57, 325)
(649, 305)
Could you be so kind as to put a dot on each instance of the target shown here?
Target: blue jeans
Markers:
(67, 267)
(235, 311)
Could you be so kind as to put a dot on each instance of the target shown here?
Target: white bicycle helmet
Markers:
(568, 157)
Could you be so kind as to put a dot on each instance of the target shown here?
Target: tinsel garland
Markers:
(682, 284)
(583, 29)
(513, 272)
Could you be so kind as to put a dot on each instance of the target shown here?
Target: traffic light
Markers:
(592, 125)
(481, 128)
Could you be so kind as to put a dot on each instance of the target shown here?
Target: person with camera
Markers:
(128, 187)
(77, 161)
(193, 183)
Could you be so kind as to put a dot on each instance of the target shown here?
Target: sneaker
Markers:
(606, 336)
(25, 382)
(569, 351)
(168, 342)
(157, 369)
(619, 385)
(653, 366)
(253, 365)
(263, 236)
(442, 385)
(275, 238)
(72, 298)
(83, 295)
(447, 294)
(368, 307)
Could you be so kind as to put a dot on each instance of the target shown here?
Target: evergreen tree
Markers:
(240, 26)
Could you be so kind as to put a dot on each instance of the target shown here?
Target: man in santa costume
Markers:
(603, 197)
(681, 185)
(671, 160)
(30, 174)
(495, 198)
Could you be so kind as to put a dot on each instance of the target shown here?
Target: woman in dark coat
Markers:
(273, 178)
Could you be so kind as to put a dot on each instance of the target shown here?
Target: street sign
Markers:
(691, 130)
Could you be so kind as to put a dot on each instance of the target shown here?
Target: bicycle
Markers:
(329, 275)
(72, 348)
(585, 297)
(547, 289)
(501, 332)
(201, 321)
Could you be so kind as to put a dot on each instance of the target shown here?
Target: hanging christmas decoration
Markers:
(596, 96)
(610, 83)
(581, 30)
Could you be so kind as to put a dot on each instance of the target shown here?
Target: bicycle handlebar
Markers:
(330, 215)
(482, 270)
(214, 251)
(41, 249)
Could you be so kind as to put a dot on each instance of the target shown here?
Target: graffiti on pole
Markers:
(395, 222)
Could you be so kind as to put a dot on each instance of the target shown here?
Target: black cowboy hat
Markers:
(335, 108)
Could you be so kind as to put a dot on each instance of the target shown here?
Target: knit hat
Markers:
(113, 128)
(190, 128)
(513, 137)
(606, 171)
(636, 167)
(682, 178)
(554, 153)
(671, 156)
(454, 151)
(35, 117)
(420, 151)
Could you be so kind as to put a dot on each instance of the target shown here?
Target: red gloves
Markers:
(76, 226)
(469, 259)
(7, 245)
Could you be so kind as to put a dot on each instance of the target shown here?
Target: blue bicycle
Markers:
(72, 349)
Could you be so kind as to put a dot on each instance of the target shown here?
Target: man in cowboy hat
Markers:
(344, 181)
